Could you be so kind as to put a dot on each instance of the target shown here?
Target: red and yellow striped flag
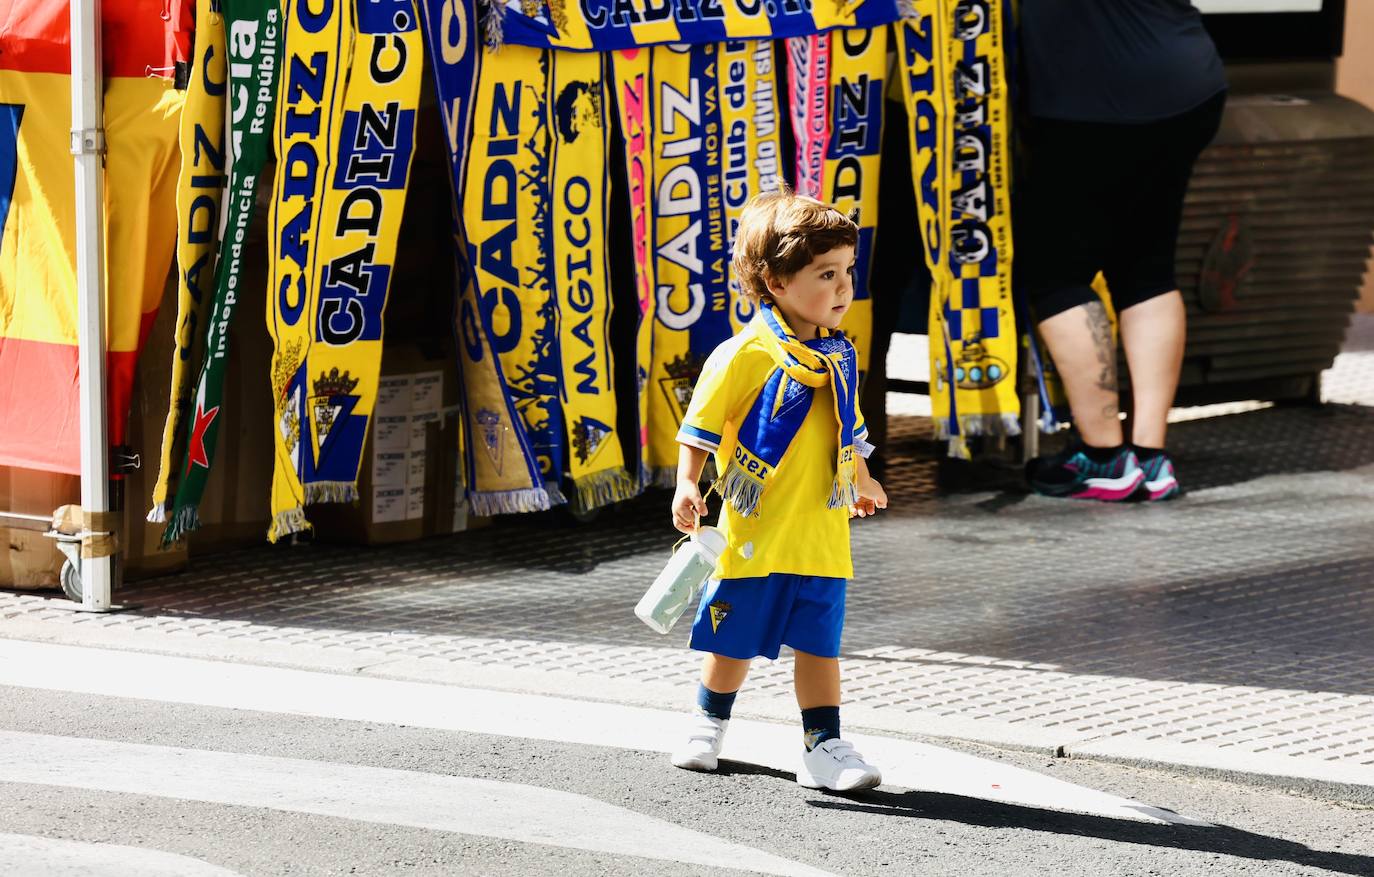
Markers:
(40, 423)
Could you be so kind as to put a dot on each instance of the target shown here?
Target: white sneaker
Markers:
(702, 749)
(836, 766)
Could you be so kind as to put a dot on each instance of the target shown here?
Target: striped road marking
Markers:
(509, 811)
(23, 854)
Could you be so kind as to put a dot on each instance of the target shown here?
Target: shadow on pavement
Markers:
(1209, 452)
(1294, 626)
(1219, 451)
(1219, 840)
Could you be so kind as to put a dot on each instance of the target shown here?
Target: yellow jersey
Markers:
(793, 531)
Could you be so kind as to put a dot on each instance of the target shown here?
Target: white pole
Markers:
(88, 146)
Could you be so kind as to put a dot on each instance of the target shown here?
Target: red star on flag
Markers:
(196, 455)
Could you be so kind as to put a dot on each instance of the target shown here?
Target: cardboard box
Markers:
(140, 543)
(30, 560)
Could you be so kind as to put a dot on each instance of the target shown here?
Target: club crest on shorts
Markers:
(719, 609)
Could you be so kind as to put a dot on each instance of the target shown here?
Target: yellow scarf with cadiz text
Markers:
(953, 68)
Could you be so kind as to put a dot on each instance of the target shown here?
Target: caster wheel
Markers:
(70, 578)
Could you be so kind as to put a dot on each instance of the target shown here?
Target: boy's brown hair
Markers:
(780, 233)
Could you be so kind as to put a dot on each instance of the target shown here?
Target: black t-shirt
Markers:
(1116, 60)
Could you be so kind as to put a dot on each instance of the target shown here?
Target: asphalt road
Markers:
(324, 796)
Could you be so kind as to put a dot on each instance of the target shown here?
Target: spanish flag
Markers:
(143, 42)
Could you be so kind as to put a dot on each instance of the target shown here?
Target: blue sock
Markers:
(715, 704)
(820, 723)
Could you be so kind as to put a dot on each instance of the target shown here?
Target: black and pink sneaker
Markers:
(1160, 481)
(1072, 473)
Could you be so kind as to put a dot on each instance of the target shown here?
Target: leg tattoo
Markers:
(1101, 329)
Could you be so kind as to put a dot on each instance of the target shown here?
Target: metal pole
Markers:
(1030, 424)
(88, 146)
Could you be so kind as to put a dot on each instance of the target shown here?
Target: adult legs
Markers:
(1064, 235)
(1151, 314)
(1153, 333)
(1080, 343)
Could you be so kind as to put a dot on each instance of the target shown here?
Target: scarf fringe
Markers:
(494, 23)
(603, 488)
(157, 514)
(183, 522)
(973, 425)
(286, 523)
(741, 491)
(555, 493)
(486, 503)
(660, 476)
(1050, 422)
(842, 496)
(330, 491)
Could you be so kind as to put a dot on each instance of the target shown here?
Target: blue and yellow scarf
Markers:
(766, 432)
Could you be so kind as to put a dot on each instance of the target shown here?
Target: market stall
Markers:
(432, 262)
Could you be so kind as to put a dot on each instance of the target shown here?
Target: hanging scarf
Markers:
(200, 191)
(606, 25)
(837, 82)
(777, 413)
(319, 53)
(671, 115)
(581, 276)
(808, 78)
(753, 151)
(332, 394)
(953, 79)
(254, 36)
(634, 92)
(507, 218)
(500, 473)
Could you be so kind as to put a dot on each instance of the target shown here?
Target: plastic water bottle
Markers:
(681, 580)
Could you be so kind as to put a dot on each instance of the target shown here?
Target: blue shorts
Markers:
(754, 618)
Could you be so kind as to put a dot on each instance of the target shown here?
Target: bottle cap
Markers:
(711, 539)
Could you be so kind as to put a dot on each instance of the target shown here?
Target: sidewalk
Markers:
(1229, 632)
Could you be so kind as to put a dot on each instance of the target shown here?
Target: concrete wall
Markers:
(1355, 79)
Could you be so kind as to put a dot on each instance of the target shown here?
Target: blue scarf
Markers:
(767, 431)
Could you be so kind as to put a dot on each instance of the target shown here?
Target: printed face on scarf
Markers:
(818, 294)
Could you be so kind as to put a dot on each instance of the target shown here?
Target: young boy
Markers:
(777, 406)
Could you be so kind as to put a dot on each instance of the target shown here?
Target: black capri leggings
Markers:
(1106, 197)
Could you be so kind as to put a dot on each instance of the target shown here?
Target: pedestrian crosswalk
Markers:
(520, 812)
(29, 855)
(905, 763)
(510, 811)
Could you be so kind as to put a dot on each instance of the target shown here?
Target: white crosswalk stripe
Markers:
(276, 690)
(54, 857)
(510, 811)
